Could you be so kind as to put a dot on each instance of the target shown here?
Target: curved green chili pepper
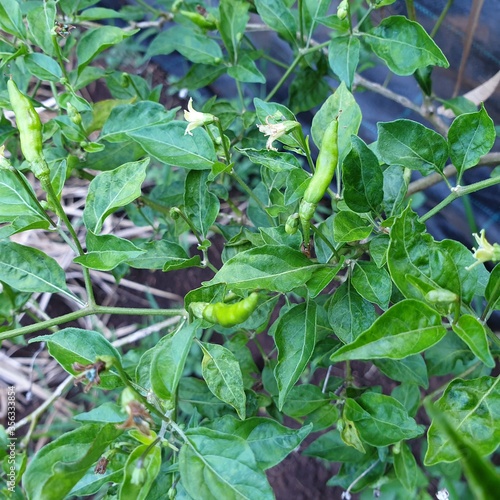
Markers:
(227, 315)
(30, 129)
(325, 169)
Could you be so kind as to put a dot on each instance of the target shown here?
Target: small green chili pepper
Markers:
(325, 169)
(30, 129)
(227, 315)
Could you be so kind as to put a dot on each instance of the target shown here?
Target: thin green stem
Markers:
(300, 7)
(457, 193)
(224, 144)
(441, 18)
(146, 5)
(60, 60)
(410, 8)
(319, 234)
(282, 80)
(367, 13)
(88, 311)
(489, 305)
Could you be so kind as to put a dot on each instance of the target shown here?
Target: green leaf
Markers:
(270, 441)
(380, 420)
(233, 21)
(407, 328)
(411, 145)
(404, 46)
(123, 119)
(194, 46)
(95, 40)
(28, 269)
(141, 469)
(222, 373)
(200, 205)
(245, 70)
(162, 254)
(406, 467)
(43, 67)
(216, 466)
(349, 119)
(74, 345)
(11, 19)
(170, 144)
(395, 189)
(277, 16)
(363, 179)
(349, 313)
(105, 252)
(372, 283)
(473, 410)
(41, 23)
(112, 190)
(471, 136)
(58, 466)
(473, 333)
(304, 399)
(169, 358)
(295, 338)
(408, 394)
(411, 369)
(309, 88)
(343, 56)
(195, 396)
(492, 293)
(349, 226)
(331, 447)
(269, 267)
(107, 413)
(274, 160)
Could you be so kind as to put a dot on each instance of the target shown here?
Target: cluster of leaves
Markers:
(376, 288)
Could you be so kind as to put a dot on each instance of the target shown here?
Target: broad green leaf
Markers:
(349, 119)
(473, 410)
(380, 420)
(168, 360)
(146, 462)
(200, 204)
(396, 180)
(194, 46)
(407, 328)
(107, 413)
(17, 199)
(270, 441)
(95, 40)
(349, 226)
(112, 190)
(113, 156)
(492, 293)
(411, 369)
(315, 9)
(295, 338)
(222, 373)
(28, 269)
(74, 345)
(471, 136)
(404, 45)
(275, 161)
(233, 20)
(41, 23)
(406, 467)
(195, 396)
(245, 70)
(11, 19)
(304, 399)
(309, 88)
(331, 447)
(473, 333)
(372, 282)
(343, 56)
(58, 466)
(43, 67)
(162, 254)
(349, 313)
(169, 143)
(411, 145)
(408, 394)
(123, 119)
(378, 249)
(200, 75)
(105, 252)
(349, 432)
(91, 482)
(216, 466)
(363, 179)
(277, 16)
(269, 267)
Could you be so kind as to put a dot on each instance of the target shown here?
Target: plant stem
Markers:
(410, 7)
(319, 234)
(457, 192)
(88, 311)
(441, 18)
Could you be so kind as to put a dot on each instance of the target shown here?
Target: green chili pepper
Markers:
(227, 315)
(325, 169)
(30, 130)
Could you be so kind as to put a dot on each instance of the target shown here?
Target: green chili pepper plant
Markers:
(326, 320)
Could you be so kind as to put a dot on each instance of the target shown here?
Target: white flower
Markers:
(195, 118)
(485, 250)
(275, 130)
